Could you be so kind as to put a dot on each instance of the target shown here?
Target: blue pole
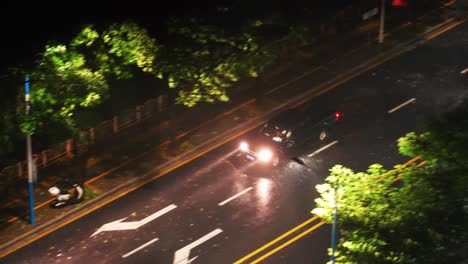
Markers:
(333, 239)
(32, 219)
(335, 220)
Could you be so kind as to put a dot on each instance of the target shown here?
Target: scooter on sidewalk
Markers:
(64, 198)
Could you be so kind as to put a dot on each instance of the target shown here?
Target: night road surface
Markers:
(217, 210)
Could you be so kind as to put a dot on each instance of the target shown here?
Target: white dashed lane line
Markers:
(322, 149)
(140, 248)
(234, 197)
(401, 105)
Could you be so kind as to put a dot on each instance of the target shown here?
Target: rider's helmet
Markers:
(54, 191)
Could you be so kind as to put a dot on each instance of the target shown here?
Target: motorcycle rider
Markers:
(64, 197)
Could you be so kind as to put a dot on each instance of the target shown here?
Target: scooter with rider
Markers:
(66, 197)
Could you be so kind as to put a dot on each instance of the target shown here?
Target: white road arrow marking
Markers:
(117, 225)
(182, 255)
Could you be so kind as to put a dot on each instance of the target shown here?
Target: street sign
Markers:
(370, 13)
(118, 225)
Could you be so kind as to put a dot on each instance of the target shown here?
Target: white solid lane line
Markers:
(322, 149)
(140, 247)
(401, 105)
(464, 71)
(234, 197)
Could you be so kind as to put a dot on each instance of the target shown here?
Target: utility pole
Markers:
(32, 219)
(382, 22)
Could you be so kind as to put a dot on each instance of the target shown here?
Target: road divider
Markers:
(437, 33)
(420, 164)
(281, 237)
(409, 162)
(322, 149)
(234, 197)
(287, 243)
(401, 105)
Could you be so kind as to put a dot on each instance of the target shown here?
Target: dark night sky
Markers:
(27, 26)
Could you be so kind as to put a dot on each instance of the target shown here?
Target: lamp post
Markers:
(32, 219)
(382, 22)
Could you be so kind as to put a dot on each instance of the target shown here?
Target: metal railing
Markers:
(64, 150)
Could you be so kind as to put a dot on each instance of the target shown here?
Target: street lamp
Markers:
(335, 212)
(382, 22)
(32, 219)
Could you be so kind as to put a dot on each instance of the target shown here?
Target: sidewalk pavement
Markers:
(125, 162)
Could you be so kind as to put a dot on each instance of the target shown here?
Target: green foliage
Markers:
(132, 45)
(381, 223)
(90, 193)
(446, 141)
(204, 60)
(421, 220)
(68, 78)
(61, 83)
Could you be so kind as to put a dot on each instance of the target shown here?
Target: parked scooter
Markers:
(64, 198)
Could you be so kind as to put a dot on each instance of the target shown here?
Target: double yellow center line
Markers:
(276, 240)
(294, 239)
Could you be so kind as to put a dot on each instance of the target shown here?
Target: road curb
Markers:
(124, 188)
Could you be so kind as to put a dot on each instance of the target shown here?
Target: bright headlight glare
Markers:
(265, 155)
(244, 146)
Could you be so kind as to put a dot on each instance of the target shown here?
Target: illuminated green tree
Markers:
(202, 61)
(118, 49)
(408, 214)
(74, 76)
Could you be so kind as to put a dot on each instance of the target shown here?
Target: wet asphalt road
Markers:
(272, 201)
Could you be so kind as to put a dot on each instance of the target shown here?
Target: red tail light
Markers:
(399, 3)
(337, 115)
